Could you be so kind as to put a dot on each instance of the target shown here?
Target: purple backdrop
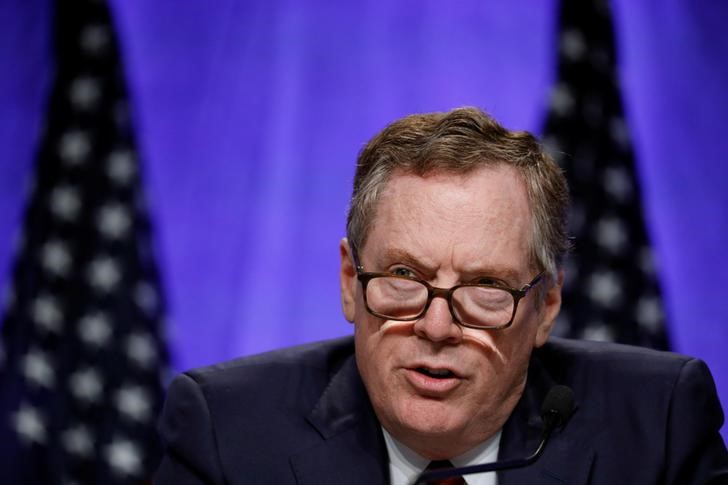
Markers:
(250, 115)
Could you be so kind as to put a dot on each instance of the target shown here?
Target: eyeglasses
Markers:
(475, 305)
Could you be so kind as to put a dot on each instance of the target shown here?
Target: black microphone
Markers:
(555, 410)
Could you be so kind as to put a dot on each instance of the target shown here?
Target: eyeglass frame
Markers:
(365, 277)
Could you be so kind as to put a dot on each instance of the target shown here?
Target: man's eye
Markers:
(403, 272)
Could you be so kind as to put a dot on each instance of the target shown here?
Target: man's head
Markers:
(460, 142)
(451, 199)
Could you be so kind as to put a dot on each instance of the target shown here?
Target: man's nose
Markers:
(437, 323)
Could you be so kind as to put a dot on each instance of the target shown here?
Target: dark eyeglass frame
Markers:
(433, 292)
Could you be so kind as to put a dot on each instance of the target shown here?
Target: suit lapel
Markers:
(353, 449)
(568, 455)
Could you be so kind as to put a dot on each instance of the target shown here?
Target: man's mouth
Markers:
(435, 373)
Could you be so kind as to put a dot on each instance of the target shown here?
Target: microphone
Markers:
(555, 410)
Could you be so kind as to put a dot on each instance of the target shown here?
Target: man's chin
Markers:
(433, 442)
(431, 421)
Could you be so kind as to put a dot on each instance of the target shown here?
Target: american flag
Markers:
(82, 352)
(611, 291)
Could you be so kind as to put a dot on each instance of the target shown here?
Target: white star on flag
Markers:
(87, 385)
(29, 424)
(611, 234)
(56, 258)
(123, 457)
(113, 221)
(74, 147)
(562, 101)
(95, 329)
(37, 369)
(95, 38)
(85, 92)
(573, 45)
(78, 440)
(649, 312)
(604, 288)
(618, 184)
(120, 166)
(133, 402)
(104, 273)
(65, 202)
(141, 350)
(598, 331)
(47, 313)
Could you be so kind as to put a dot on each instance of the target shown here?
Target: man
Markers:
(451, 274)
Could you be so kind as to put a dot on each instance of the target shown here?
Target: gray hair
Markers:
(460, 141)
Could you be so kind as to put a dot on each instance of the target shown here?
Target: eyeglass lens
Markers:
(399, 298)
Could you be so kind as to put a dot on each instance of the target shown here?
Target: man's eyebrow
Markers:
(507, 275)
(404, 256)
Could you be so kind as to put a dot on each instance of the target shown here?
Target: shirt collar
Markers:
(405, 465)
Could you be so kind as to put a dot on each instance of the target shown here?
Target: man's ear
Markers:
(347, 275)
(550, 307)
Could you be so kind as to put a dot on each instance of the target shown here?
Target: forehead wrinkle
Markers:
(498, 231)
(406, 244)
(445, 228)
(480, 265)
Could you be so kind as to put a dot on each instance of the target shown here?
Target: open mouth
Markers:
(435, 373)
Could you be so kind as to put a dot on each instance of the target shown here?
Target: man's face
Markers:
(447, 229)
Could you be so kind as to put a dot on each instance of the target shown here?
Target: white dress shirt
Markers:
(405, 465)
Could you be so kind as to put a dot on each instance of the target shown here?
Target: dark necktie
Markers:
(440, 464)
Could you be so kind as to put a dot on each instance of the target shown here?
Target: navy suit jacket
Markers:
(302, 415)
